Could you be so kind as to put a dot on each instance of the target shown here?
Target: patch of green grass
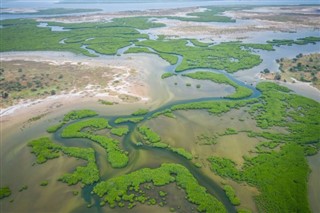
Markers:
(167, 75)
(5, 192)
(148, 134)
(44, 149)
(140, 112)
(231, 194)
(277, 175)
(214, 107)
(44, 183)
(231, 56)
(120, 131)
(115, 188)
(79, 114)
(105, 102)
(241, 92)
(102, 37)
(129, 119)
(116, 157)
(182, 152)
(138, 50)
(54, 128)
(299, 41)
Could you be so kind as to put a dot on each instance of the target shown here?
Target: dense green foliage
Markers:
(5, 192)
(116, 157)
(115, 189)
(74, 129)
(129, 119)
(241, 92)
(182, 152)
(44, 149)
(103, 37)
(214, 107)
(120, 131)
(140, 112)
(167, 75)
(54, 128)
(138, 50)
(44, 183)
(231, 195)
(299, 41)
(278, 106)
(232, 56)
(278, 175)
(78, 114)
(148, 134)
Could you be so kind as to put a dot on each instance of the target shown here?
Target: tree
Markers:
(277, 76)
(266, 70)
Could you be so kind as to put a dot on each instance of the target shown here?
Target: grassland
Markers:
(118, 189)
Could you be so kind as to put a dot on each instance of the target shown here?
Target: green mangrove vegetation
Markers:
(56, 127)
(266, 172)
(153, 139)
(138, 50)
(79, 114)
(231, 56)
(102, 37)
(44, 149)
(129, 119)
(116, 157)
(117, 189)
(167, 75)
(241, 91)
(214, 107)
(5, 192)
(299, 41)
(231, 195)
(120, 131)
(140, 112)
(44, 183)
(148, 134)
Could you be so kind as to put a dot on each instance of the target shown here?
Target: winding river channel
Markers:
(160, 88)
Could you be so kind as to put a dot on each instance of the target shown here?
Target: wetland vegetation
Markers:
(285, 125)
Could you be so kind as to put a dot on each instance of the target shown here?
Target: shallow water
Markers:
(180, 132)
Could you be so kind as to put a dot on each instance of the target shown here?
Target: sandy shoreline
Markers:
(130, 89)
